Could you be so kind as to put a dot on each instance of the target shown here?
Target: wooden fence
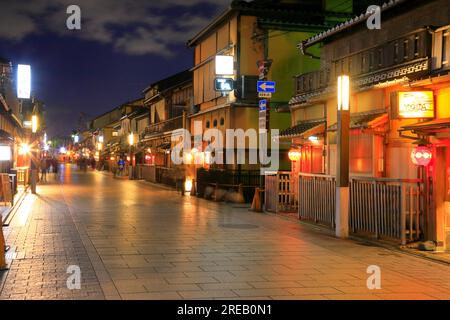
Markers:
(23, 175)
(281, 192)
(147, 173)
(384, 208)
(249, 179)
(387, 208)
(317, 199)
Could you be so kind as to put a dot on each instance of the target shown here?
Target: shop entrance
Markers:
(447, 201)
(441, 219)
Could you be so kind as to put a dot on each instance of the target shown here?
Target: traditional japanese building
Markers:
(169, 101)
(109, 132)
(14, 114)
(399, 138)
(260, 37)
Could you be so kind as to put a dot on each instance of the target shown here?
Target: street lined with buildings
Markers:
(156, 244)
(333, 114)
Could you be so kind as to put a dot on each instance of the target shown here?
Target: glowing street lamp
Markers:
(344, 93)
(188, 185)
(131, 157)
(34, 123)
(131, 139)
(24, 149)
(343, 153)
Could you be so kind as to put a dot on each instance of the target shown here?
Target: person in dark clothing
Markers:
(44, 169)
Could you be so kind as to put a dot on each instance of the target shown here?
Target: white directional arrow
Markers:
(265, 86)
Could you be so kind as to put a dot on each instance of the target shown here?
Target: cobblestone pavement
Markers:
(138, 241)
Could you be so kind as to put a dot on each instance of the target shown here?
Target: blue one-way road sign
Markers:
(262, 105)
(266, 86)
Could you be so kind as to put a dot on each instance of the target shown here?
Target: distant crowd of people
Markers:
(50, 165)
(84, 163)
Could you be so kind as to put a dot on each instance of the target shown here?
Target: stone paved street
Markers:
(138, 241)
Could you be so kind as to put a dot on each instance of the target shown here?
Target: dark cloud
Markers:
(134, 27)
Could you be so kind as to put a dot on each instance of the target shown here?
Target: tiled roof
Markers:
(172, 81)
(347, 24)
(301, 128)
(362, 120)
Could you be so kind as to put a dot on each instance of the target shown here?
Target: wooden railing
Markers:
(249, 179)
(163, 126)
(146, 172)
(390, 208)
(170, 176)
(312, 81)
(317, 199)
(281, 192)
(393, 209)
(23, 175)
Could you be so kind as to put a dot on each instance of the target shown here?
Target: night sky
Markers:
(123, 46)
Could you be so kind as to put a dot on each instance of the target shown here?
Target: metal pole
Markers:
(34, 167)
(130, 166)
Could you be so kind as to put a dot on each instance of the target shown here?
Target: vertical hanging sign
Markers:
(23, 81)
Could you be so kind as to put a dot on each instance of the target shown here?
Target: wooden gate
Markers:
(389, 208)
(281, 192)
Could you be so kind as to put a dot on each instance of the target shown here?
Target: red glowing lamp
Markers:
(422, 156)
(295, 155)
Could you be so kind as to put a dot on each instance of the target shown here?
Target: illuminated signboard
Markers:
(224, 65)
(5, 153)
(416, 104)
(224, 84)
(23, 81)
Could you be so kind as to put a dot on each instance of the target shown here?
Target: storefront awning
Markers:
(365, 120)
(304, 129)
(429, 127)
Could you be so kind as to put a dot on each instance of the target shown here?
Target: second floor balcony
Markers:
(162, 127)
(405, 58)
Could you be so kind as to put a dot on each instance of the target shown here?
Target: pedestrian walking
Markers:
(121, 165)
(44, 169)
(55, 165)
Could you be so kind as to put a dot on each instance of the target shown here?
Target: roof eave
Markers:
(345, 25)
(217, 21)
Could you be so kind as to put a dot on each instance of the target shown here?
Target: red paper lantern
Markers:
(421, 156)
(295, 155)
